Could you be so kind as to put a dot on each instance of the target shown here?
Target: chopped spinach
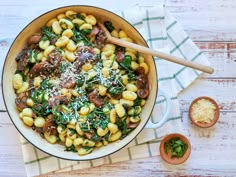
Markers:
(95, 119)
(91, 83)
(176, 147)
(137, 102)
(73, 131)
(122, 126)
(74, 105)
(84, 126)
(86, 31)
(65, 118)
(60, 117)
(132, 76)
(116, 87)
(78, 102)
(39, 96)
(101, 122)
(80, 78)
(114, 91)
(80, 36)
(106, 137)
(109, 26)
(126, 63)
(87, 148)
(63, 66)
(80, 16)
(45, 84)
(71, 148)
(99, 119)
(41, 109)
(63, 126)
(95, 137)
(33, 56)
(48, 33)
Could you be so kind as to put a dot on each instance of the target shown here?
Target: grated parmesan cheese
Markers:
(203, 111)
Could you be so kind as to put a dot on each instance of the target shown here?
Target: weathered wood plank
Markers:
(11, 163)
(215, 19)
(222, 56)
(222, 90)
(212, 21)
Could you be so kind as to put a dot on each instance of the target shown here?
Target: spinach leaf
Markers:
(71, 148)
(86, 31)
(137, 102)
(60, 117)
(103, 123)
(126, 62)
(78, 102)
(33, 56)
(73, 131)
(37, 96)
(79, 36)
(132, 76)
(109, 26)
(106, 137)
(48, 33)
(122, 126)
(80, 16)
(114, 91)
(80, 80)
(63, 66)
(45, 84)
(84, 126)
(95, 137)
(87, 148)
(42, 109)
(98, 118)
(74, 105)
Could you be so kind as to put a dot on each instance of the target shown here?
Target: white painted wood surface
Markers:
(212, 25)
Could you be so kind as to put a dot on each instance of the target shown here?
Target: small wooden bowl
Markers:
(202, 124)
(167, 157)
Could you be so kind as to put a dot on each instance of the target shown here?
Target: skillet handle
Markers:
(164, 119)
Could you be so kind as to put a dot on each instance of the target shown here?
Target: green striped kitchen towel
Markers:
(162, 32)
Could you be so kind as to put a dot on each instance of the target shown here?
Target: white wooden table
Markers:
(212, 26)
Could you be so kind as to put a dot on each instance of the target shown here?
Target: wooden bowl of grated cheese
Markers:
(204, 112)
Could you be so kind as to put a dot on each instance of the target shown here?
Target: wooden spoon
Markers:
(158, 54)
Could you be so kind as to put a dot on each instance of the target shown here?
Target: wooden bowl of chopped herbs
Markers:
(175, 148)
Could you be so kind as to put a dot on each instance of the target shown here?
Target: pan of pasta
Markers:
(69, 92)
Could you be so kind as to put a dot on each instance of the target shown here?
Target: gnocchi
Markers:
(17, 81)
(56, 27)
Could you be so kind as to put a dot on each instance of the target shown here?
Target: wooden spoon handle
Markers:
(162, 55)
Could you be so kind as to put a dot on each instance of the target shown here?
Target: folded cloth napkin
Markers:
(162, 32)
